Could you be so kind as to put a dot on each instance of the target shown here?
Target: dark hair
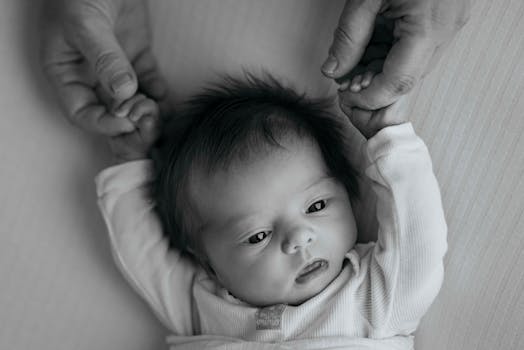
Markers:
(228, 122)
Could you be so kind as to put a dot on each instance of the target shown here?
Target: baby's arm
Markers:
(405, 266)
(160, 275)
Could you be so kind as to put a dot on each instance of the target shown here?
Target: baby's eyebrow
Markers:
(240, 218)
(320, 181)
(229, 223)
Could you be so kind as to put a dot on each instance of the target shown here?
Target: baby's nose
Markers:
(297, 239)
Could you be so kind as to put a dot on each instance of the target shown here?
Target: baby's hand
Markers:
(358, 82)
(371, 122)
(143, 113)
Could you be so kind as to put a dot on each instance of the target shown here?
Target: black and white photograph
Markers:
(262, 174)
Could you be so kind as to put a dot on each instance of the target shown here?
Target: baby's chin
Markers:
(296, 295)
(301, 300)
(293, 301)
(303, 293)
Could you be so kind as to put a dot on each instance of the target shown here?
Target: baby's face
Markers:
(275, 229)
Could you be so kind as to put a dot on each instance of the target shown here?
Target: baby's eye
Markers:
(317, 206)
(259, 237)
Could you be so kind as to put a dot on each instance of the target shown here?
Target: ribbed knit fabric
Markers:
(383, 290)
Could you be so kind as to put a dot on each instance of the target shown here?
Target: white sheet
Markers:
(209, 342)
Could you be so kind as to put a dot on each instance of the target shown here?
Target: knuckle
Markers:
(57, 76)
(465, 14)
(76, 21)
(88, 118)
(401, 85)
(80, 12)
(69, 116)
(80, 117)
(342, 35)
(105, 61)
(50, 72)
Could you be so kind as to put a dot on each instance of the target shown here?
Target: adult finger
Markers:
(97, 42)
(404, 66)
(143, 108)
(357, 70)
(87, 112)
(351, 37)
(151, 81)
(149, 78)
(78, 97)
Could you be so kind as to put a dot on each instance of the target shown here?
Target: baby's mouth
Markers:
(312, 270)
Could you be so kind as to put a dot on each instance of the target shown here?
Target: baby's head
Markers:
(253, 181)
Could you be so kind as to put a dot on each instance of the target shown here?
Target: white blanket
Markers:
(224, 343)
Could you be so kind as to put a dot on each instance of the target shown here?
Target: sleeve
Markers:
(405, 266)
(162, 276)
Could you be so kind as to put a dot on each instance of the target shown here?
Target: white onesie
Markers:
(378, 299)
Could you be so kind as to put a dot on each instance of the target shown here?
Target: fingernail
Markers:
(120, 113)
(134, 117)
(121, 82)
(343, 86)
(118, 110)
(330, 65)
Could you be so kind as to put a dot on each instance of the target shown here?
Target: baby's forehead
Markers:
(244, 155)
(262, 189)
(253, 147)
(293, 163)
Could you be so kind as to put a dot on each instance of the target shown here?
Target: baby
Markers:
(239, 232)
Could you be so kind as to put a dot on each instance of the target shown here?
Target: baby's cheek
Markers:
(344, 230)
(265, 271)
(248, 284)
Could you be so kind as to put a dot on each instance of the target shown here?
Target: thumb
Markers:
(97, 42)
(351, 37)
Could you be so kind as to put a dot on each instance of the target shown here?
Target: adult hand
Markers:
(400, 46)
(96, 53)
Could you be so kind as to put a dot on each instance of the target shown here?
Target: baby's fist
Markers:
(143, 113)
(370, 122)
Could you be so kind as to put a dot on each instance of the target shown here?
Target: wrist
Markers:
(389, 116)
(383, 125)
(124, 152)
(391, 139)
(117, 160)
(125, 157)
